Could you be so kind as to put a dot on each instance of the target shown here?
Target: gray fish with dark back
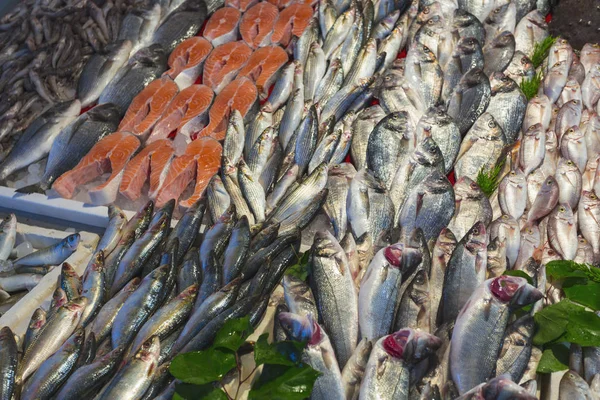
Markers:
(443, 130)
(51, 255)
(35, 143)
(181, 25)
(507, 105)
(499, 52)
(141, 69)
(516, 349)
(469, 99)
(8, 362)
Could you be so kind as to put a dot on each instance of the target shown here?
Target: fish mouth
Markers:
(393, 255)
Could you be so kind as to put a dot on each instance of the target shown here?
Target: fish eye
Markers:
(548, 182)
(505, 216)
(582, 240)
(593, 196)
(530, 231)
(561, 209)
(551, 252)
(569, 162)
(491, 124)
(512, 172)
(426, 10)
(430, 22)
(555, 111)
(473, 185)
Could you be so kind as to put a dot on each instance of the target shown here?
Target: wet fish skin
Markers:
(138, 307)
(253, 191)
(516, 348)
(424, 73)
(51, 337)
(133, 378)
(587, 212)
(311, 34)
(35, 143)
(499, 52)
(8, 236)
(466, 270)
(329, 264)
(520, 68)
(298, 297)
(205, 310)
(574, 386)
(303, 218)
(468, 25)
(569, 182)
(545, 201)
(353, 371)
(555, 80)
(338, 32)
(473, 356)
(237, 250)
(8, 362)
(112, 235)
(512, 194)
(335, 205)
(387, 374)
(52, 255)
(471, 206)
(314, 70)
(285, 83)
(380, 294)
(573, 146)
(441, 127)
(507, 104)
(92, 287)
(330, 83)
(100, 69)
(38, 319)
(53, 372)
(469, 99)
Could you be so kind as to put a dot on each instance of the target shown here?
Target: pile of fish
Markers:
(406, 295)
(148, 293)
(44, 46)
(22, 267)
(235, 74)
(135, 53)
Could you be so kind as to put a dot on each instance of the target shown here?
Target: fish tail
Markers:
(36, 188)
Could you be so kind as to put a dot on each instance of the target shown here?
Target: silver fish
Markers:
(569, 182)
(469, 99)
(52, 255)
(512, 194)
(471, 206)
(8, 236)
(354, 370)
(314, 70)
(507, 105)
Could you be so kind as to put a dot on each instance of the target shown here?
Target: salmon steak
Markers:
(223, 64)
(291, 21)
(200, 162)
(187, 60)
(241, 5)
(239, 95)
(257, 24)
(187, 113)
(148, 106)
(223, 26)
(111, 154)
(262, 67)
(153, 161)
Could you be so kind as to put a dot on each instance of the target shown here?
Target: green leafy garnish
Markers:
(284, 376)
(540, 51)
(531, 86)
(488, 179)
(300, 269)
(554, 358)
(519, 273)
(567, 321)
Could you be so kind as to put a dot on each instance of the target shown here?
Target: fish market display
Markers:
(22, 267)
(285, 126)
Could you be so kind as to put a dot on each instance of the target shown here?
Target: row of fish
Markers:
(148, 293)
(22, 267)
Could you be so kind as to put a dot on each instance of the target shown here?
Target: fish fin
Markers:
(36, 188)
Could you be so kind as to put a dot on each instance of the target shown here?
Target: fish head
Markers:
(72, 241)
(132, 285)
(476, 238)
(325, 244)
(6, 333)
(438, 116)
(150, 350)
(500, 83)
(467, 45)
(436, 182)
(428, 152)
(299, 327)
(466, 188)
(514, 290)
(393, 255)
(411, 345)
(67, 109)
(77, 305)
(8, 224)
(564, 213)
(503, 387)
(549, 188)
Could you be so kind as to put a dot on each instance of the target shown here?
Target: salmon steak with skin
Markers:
(241, 5)
(257, 24)
(153, 162)
(291, 21)
(281, 4)
(187, 113)
(262, 67)
(239, 95)
(187, 60)
(111, 154)
(223, 64)
(222, 27)
(148, 106)
(200, 162)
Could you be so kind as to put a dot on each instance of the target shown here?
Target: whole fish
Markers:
(8, 236)
(35, 143)
(8, 362)
(338, 186)
(471, 206)
(142, 68)
(314, 70)
(443, 130)
(498, 52)
(516, 348)
(100, 69)
(237, 250)
(354, 370)
(465, 271)
(388, 371)
(51, 255)
(588, 213)
(362, 127)
(481, 147)
(182, 24)
(545, 201)
(138, 26)
(329, 264)
(469, 99)
(520, 68)
(424, 73)
(114, 230)
(135, 377)
(92, 287)
(512, 194)
(380, 295)
(53, 372)
(51, 337)
(530, 30)
(473, 355)
(507, 104)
